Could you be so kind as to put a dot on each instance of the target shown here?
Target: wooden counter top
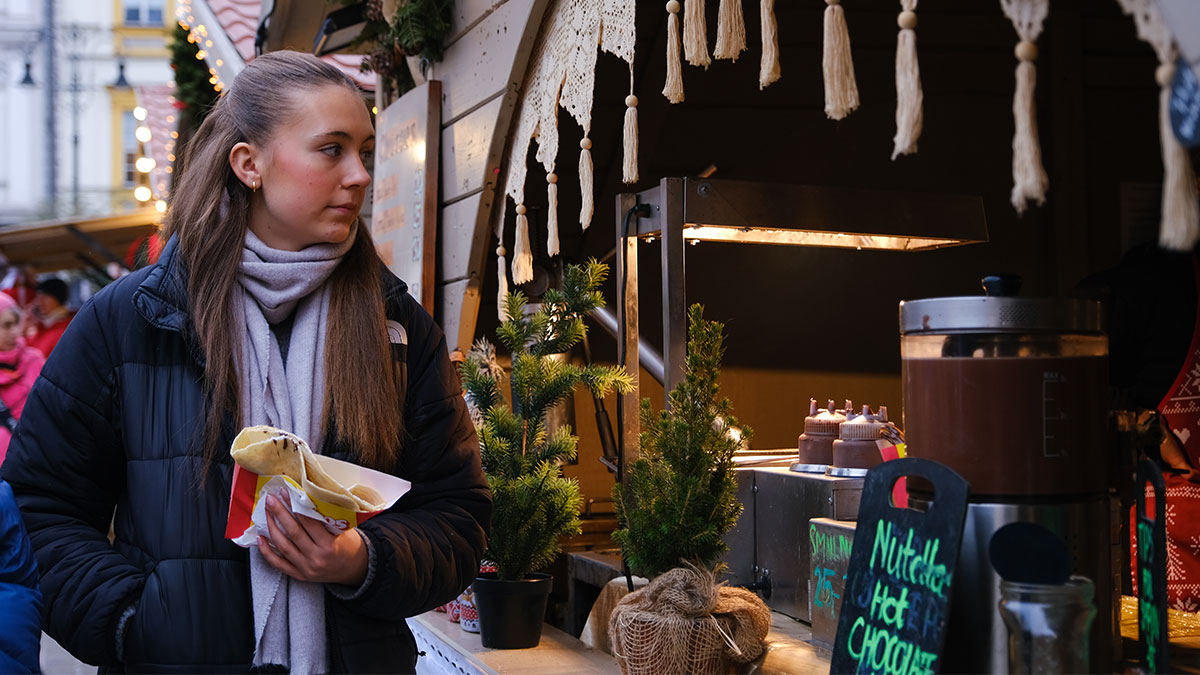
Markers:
(449, 650)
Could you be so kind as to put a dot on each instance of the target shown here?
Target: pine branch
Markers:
(533, 504)
(680, 498)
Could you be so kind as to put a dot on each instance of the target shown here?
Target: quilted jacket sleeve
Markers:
(67, 467)
(427, 547)
(20, 622)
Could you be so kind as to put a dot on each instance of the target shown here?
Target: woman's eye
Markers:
(332, 150)
(367, 155)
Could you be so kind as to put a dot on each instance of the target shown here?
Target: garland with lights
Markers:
(402, 28)
(194, 91)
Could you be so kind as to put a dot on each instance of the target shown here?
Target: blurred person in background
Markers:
(50, 315)
(19, 368)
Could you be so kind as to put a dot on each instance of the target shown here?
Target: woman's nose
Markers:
(358, 175)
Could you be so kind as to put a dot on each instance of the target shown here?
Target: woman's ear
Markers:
(243, 159)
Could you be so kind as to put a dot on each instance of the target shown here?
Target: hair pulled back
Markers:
(209, 214)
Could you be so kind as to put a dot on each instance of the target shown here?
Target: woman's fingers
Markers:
(275, 560)
(287, 521)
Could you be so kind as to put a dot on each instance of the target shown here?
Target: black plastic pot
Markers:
(511, 612)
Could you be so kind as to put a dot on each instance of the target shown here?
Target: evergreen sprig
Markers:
(680, 497)
(533, 503)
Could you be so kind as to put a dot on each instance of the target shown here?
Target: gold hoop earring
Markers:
(254, 186)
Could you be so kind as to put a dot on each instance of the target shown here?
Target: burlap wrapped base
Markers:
(684, 622)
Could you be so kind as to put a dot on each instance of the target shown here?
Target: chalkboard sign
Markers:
(1185, 105)
(897, 596)
(1152, 568)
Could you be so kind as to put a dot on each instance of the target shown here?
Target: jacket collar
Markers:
(161, 298)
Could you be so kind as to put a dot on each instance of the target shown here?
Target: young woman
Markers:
(19, 368)
(268, 305)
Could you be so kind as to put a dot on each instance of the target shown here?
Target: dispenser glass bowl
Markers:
(1010, 393)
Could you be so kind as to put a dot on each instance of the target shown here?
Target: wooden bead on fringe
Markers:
(673, 88)
(502, 283)
(585, 182)
(552, 244)
(910, 115)
(522, 271)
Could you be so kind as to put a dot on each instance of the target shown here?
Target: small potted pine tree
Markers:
(676, 503)
(533, 504)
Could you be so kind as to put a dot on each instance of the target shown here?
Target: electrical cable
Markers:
(643, 211)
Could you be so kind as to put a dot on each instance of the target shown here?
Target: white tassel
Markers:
(909, 97)
(552, 246)
(841, 90)
(629, 173)
(1180, 227)
(673, 89)
(501, 284)
(522, 269)
(1029, 178)
(585, 182)
(768, 67)
(695, 34)
(731, 31)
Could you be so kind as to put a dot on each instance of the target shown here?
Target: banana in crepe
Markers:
(268, 451)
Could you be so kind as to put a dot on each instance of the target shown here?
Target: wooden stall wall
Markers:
(481, 74)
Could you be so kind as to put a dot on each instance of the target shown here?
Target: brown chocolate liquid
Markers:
(1011, 426)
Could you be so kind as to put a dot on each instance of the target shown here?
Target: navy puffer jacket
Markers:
(20, 600)
(113, 421)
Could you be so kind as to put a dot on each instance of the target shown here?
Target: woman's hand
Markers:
(303, 549)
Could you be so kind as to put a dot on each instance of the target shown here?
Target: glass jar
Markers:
(1048, 625)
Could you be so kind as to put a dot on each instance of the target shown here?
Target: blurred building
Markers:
(72, 75)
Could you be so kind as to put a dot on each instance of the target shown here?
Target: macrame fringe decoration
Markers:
(552, 246)
(673, 89)
(1029, 178)
(841, 89)
(502, 283)
(731, 31)
(695, 34)
(522, 269)
(1180, 225)
(768, 67)
(629, 172)
(909, 97)
(585, 182)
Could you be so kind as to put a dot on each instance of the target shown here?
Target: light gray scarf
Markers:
(289, 615)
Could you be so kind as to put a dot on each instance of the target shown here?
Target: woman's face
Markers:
(312, 173)
(10, 329)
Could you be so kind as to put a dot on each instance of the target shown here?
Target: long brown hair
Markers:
(209, 214)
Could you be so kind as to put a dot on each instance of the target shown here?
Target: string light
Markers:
(161, 206)
(142, 134)
(139, 114)
(145, 164)
(198, 35)
(142, 193)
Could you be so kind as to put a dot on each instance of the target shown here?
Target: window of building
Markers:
(129, 148)
(143, 12)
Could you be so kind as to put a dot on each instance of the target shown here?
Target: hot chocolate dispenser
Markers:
(1012, 393)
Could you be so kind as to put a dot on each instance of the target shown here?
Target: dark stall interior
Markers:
(820, 322)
